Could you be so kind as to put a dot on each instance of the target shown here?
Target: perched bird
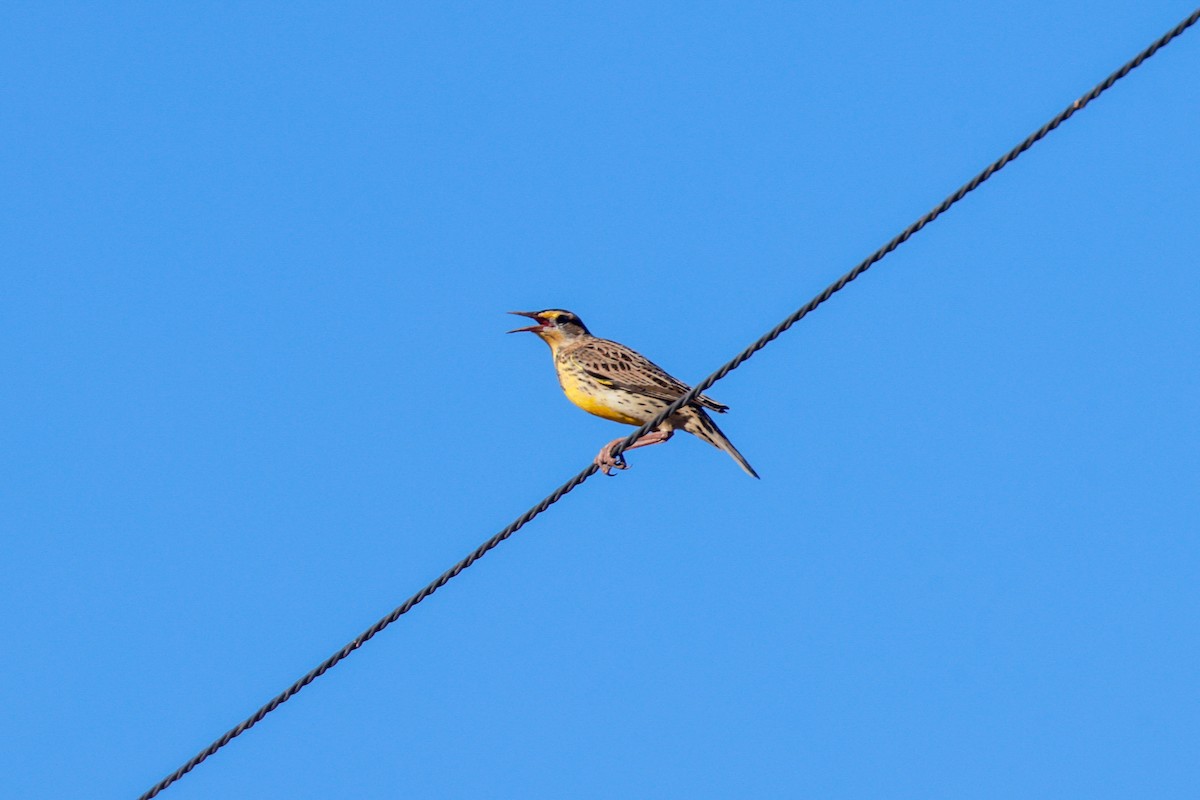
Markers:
(612, 381)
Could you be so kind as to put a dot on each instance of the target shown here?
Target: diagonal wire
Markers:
(703, 385)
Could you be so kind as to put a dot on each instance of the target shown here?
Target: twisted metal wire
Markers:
(702, 386)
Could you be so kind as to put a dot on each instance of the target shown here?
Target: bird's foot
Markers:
(607, 462)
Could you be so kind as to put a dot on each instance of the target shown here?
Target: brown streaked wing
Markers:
(618, 366)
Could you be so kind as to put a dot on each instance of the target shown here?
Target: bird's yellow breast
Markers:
(585, 392)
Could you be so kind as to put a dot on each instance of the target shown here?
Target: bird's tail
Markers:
(699, 424)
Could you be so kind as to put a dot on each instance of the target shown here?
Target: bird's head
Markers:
(554, 326)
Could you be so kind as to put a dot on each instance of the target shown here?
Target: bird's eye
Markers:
(563, 320)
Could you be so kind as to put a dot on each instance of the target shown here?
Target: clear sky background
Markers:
(256, 391)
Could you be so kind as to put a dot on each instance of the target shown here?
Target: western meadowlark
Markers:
(612, 381)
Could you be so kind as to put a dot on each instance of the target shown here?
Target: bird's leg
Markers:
(606, 461)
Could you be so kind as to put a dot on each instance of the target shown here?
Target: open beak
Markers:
(532, 328)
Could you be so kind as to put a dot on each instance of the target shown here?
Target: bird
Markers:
(618, 383)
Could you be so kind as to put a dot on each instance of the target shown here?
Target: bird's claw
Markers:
(607, 462)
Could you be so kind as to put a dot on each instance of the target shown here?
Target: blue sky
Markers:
(256, 392)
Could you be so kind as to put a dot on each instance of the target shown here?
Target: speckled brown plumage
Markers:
(615, 382)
